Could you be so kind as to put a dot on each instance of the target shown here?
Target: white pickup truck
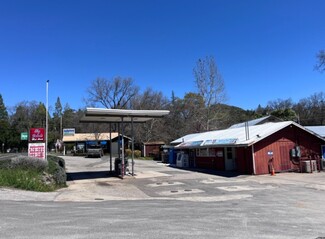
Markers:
(95, 151)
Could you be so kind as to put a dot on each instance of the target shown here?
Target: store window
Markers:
(205, 152)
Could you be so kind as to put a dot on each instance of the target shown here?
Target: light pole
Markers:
(47, 123)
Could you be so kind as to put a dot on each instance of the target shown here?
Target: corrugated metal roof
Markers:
(81, 137)
(184, 138)
(317, 129)
(253, 122)
(236, 136)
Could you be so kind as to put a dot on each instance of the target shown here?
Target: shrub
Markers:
(33, 174)
(28, 163)
(128, 152)
(57, 169)
(137, 153)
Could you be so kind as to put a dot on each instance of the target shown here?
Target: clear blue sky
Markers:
(265, 49)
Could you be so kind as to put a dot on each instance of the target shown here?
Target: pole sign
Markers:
(69, 132)
(37, 134)
(23, 136)
(36, 150)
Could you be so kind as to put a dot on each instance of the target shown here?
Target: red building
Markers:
(152, 149)
(258, 149)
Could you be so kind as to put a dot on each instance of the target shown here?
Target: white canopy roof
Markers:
(98, 115)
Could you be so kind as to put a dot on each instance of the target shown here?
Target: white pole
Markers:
(47, 123)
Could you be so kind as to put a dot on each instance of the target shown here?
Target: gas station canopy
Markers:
(98, 115)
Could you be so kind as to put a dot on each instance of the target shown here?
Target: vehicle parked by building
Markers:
(95, 151)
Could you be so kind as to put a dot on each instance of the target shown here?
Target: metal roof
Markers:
(265, 119)
(237, 136)
(101, 115)
(184, 138)
(317, 129)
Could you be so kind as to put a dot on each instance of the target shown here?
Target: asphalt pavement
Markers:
(160, 201)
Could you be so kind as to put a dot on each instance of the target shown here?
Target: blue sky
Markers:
(265, 49)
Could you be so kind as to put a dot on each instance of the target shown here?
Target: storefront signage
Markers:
(69, 132)
(37, 134)
(36, 150)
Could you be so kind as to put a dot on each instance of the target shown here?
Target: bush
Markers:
(33, 174)
(57, 169)
(28, 163)
(137, 153)
(128, 152)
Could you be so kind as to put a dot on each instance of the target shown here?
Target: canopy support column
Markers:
(123, 163)
(110, 147)
(132, 132)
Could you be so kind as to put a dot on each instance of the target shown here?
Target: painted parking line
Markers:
(180, 192)
(243, 188)
(220, 198)
(215, 181)
(164, 184)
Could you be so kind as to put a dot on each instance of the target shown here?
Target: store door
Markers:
(230, 163)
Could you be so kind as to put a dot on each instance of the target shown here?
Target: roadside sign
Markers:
(23, 136)
(36, 150)
(69, 132)
(37, 134)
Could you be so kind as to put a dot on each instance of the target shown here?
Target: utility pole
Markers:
(47, 120)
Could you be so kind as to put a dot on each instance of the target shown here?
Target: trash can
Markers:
(118, 166)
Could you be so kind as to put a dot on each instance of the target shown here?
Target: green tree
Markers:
(285, 114)
(4, 125)
(57, 119)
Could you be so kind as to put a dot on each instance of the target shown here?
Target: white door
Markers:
(230, 163)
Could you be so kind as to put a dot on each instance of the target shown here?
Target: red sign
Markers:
(37, 134)
(36, 150)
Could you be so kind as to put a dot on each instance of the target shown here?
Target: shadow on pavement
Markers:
(89, 175)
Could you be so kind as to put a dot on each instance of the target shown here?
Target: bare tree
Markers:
(280, 104)
(320, 66)
(115, 93)
(153, 129)
(210, 85)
